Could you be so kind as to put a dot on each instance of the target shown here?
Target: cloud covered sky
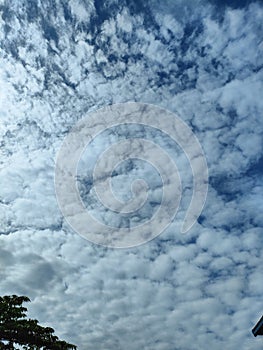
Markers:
(201, 60)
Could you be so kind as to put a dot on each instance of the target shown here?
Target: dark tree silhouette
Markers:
(16, 329)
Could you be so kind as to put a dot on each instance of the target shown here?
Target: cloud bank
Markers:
(60, 60)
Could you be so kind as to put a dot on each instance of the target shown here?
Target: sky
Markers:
(200, 60)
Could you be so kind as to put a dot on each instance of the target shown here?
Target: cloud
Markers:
(178, 291)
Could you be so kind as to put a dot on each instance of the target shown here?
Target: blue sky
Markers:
(201, 60)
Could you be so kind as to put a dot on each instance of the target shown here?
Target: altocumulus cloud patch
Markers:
(140, 115)
(61, 60)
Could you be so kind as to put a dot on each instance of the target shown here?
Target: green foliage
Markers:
(16, 329)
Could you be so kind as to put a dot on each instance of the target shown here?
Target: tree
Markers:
(15, 328)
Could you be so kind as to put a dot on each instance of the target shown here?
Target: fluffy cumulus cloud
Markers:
(203, 61)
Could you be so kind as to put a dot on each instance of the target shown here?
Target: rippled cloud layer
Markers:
(203, 62)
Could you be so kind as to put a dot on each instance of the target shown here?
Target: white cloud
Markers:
(200, 290)
(82, 10)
